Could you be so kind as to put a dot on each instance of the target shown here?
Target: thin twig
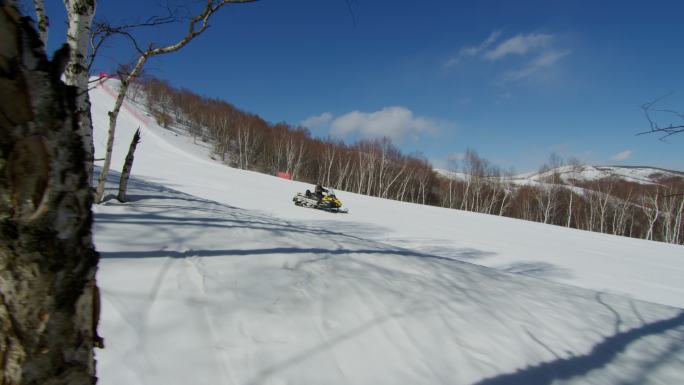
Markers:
(668, 131)
(351, 11)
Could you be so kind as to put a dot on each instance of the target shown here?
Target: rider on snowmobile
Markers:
(319, 191)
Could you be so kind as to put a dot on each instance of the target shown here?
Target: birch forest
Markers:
(377, 168)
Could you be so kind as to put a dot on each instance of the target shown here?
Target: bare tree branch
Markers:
(667, 131)
(103, 30)
(351, 11)
(197, 26)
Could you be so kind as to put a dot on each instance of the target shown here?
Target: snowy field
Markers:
(210, 275)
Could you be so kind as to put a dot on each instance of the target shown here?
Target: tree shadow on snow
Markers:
(265, 374)
(152, 205)
(356, 229)
(275, 250)
(601, 354)
(537, 269)
(142, 189)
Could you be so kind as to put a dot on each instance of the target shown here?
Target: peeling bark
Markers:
(49, 303)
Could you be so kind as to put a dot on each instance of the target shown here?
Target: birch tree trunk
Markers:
(343, 176)
(43, 21)
(128, 165)
(504, 203)
(49, 303)
(570, 191)
(385, 194)
(113, 116)
(604, 200)
(329, 156)
(80, 15)
(575, 169)
(649, 205)
(678, 223)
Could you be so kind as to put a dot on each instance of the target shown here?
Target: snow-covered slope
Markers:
(211, 276)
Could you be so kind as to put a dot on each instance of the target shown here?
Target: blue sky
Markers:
(514, 80)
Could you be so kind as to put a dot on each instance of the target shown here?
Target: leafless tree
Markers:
(197, 25)
(246, 142)
(294, 152)
(575, 168)
(328, 160)
(601, 198)
(672, 205)
(474, 169)
(343, 174)
(546, 198)
(623, 211)
(548, 192)
(649, 205)
(507, 190)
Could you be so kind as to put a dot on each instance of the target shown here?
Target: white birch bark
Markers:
(43, 21)
(649, 205)
(80, 15)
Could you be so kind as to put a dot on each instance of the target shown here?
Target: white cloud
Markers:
(519, 45)
(394, 122)
(620, 156)
(317, 120)
(545, 60)
(473, 51)
(537, 50)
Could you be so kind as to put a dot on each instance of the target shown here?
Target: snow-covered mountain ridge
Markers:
(583, 173)
(586, 173)
(210, 275)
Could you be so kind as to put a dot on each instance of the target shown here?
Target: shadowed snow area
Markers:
(210, 275)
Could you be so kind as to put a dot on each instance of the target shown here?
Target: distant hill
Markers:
(636, 174)
(645, 175)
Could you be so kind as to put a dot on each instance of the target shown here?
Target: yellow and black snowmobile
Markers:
(326, 202)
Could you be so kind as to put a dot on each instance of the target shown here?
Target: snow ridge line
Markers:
(148, 124)
(110, 91)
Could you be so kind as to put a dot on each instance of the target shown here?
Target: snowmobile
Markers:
(328, 202)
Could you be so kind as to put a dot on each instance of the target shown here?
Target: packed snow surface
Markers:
(210, 275)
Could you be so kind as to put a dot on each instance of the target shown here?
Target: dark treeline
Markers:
(377, 168)
(246, 141)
